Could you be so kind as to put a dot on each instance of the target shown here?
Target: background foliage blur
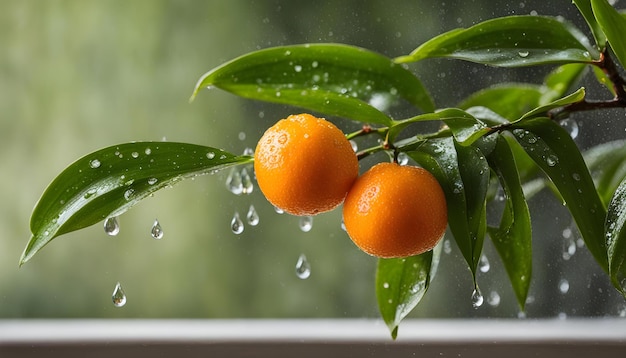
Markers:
(81, 75)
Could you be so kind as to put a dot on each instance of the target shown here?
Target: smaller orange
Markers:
(305, 165)
(395, 211)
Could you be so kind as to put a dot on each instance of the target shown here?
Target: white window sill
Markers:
(313, 338)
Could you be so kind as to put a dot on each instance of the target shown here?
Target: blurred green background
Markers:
(77, 76)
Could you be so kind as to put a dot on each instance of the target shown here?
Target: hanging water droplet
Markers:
(306, 223)
(236, 225)
(571, 126)
(111, 226)
(252, 216)
(303, 268)
(403, 158)
(157, 230)
(95, 163)
(523, 54)
(563, 286)
(119, 297)
(248, 151)
(233, 182)
(483, 264)
(247, 187)
(279, 210)
(493, 299)
(477, 298)
(354, 145)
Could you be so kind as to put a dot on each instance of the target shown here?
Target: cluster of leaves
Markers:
(504, 136)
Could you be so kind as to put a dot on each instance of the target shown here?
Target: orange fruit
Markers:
(395, 211)
(304, 165)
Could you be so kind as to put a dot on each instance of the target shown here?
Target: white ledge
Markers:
(602, 337)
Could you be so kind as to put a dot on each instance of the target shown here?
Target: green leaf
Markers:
(607, 163)
(465, 128)
(541, 111)
(562, 81)
(401, 283)
(554, 151)
(513, 238)
(509, 42)
(616, 238)
(510, 101)
(584, 6)
(110, 181)
(464, 176)
(613, 25)
(333, 79)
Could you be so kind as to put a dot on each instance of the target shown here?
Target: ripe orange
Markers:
(305, 165)
(395, 211)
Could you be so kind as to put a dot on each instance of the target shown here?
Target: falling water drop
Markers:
(303, 268)
(233, 182)
(571, 126)
(483, 264)
(236, 225)
(477, 298)
(493, 299)
(563, 286)
(157, 230)
(252, 216)
(247, 187)
(569, 248)
(119, 297)
(111, 226)
(306, 223)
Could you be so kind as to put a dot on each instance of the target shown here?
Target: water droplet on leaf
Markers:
(157, 230)
(119, 297)
(563, 286)
(523, 54)
(111, 226)
(95, 163)
(303, 268)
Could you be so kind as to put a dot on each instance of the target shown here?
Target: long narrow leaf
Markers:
(513, 238)
(111, 180)
(330, 78)
(616, 238)
(465, 190)
(554, 151)
(510, 42)
(614, 26)
(401, 284)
